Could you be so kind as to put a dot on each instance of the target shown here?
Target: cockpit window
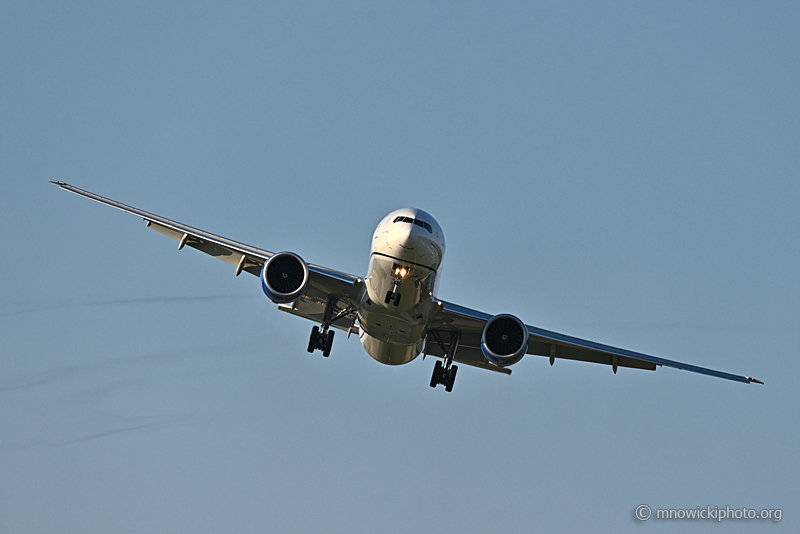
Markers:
(417, 222)
(424, 225)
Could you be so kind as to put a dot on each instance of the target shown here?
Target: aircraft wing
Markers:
(452, 317)
(323, 283)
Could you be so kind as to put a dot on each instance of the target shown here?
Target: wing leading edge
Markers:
(323, 282)
(554, 345)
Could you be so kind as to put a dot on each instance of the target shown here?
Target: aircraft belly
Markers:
(387, 352)
(389, 336)
(389, 328)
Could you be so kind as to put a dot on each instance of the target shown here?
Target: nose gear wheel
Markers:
(390, 296)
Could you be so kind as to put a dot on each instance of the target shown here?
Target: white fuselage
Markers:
(405, 258)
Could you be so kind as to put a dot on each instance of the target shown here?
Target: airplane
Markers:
(394, 309)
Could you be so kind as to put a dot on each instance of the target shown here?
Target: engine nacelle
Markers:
(504, 340)
(284, 277)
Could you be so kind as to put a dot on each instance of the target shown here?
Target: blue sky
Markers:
(623, 172)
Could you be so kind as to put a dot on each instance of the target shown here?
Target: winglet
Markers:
(59, 184)
(754, 380)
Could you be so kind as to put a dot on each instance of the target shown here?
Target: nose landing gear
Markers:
(392, 295)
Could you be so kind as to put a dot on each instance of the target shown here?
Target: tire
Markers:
(451, 379)
(312, 341)
(437, 373)
(388, 298)
(328, 344)
(397, 299)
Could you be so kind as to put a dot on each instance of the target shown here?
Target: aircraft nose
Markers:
(413, 237)
(406, 236)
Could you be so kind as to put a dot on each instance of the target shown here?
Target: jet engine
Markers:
(284, 277)
(504, 340)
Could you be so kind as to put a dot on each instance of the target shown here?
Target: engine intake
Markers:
(504, 340)
(284, 277)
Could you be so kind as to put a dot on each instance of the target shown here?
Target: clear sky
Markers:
(625, 172)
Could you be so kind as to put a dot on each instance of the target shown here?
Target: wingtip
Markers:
(754, 380)
(59, 184)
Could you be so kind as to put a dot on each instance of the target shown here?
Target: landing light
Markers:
(401, 272)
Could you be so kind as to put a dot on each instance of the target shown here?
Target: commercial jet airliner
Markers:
(394, 309)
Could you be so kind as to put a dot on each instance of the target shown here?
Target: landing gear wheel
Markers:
(320, 340)
(397, 299)
(328, 344)
(389, 296)
(437, 373)
(314, 339)
(322, 336)
(444, 376)
(444, 373)
(451, 378)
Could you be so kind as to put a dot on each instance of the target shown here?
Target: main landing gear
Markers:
(322, 340)
(445, 373)
(445, 376)
(321, 336)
